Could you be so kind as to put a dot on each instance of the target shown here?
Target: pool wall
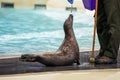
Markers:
(40, 4)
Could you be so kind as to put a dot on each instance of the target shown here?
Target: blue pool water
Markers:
(33, 31)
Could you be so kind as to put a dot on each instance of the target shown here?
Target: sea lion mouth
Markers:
(70, 18)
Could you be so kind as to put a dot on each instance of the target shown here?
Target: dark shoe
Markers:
(97, 57)
(105, 60)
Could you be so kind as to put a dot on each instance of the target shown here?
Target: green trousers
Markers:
(108, 27)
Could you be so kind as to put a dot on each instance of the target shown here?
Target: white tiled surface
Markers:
(101, 74)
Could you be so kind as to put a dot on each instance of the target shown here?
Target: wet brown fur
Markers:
(67, 54)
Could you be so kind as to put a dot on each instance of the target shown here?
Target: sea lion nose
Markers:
(71, 16)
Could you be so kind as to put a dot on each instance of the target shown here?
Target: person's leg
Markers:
(112, 11)
(101, 27)
(108, 29)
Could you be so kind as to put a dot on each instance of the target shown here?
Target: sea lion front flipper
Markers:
(28, 57)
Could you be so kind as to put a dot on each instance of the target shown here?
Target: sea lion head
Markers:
(68, 22)
(68, 25)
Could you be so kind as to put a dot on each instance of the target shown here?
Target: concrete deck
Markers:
(12, 65)
(104, 74)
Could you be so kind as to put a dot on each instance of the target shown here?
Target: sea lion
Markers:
(67, 53)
